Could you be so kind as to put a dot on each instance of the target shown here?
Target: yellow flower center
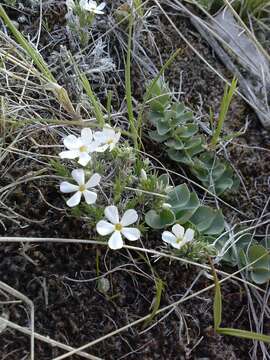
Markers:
(179, 239)
(83, 148)
(110, 141)
(118, 227)
(82, 188)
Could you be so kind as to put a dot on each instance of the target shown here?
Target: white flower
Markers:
(83, 188)
(92, 6)
(178, 237)
(70, 4)
(79, 147)
(143, 175)
(107, 138)
(118, 227)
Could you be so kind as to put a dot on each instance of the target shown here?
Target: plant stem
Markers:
(226, 101)
(133, 129)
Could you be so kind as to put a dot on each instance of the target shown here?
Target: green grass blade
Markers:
(218, 317)
(133, 129)
(94, 101)
(217, 300)
(159, 289)
(244, 334)
(225, 104)
(30, 49)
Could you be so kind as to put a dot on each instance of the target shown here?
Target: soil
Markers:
(58, 277)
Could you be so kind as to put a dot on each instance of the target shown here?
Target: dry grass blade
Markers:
(46, 339)
(25, 299)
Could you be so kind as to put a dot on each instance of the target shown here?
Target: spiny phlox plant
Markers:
(82, 149)
(80, 18)
(87, 5)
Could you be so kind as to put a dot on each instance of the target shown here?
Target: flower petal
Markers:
(108, 131)
(66, 187)
(70, 154)
(101, 6)
(177, 245)
(71, 142)
(93, 146)
(178, 231)
(90, 196)
(93, 181)
(75, 199)
(104, 227)
(98, 12)
(70, 4)
(111, 213)
(168, 237)
(189, 235)
(116, 241)
(131, 234)
(79, 176)
(102, 148)
(83, 3)
(86, 136)
(117, 137)
(84, 158)
(129, 217)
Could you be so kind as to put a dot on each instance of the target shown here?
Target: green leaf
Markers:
(154, 135)
(175, 144)
(208, 221)
(260, 276)
(259, 259)
(217, 225)
(180, 156)
(159, 220)
(215, 174)
(164, 179)
(187, 131)
(183, 215)
(259, 252)
(183, 202)
(160, 97)
(163, 127)
(178, 197)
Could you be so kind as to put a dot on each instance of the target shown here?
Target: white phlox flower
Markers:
(70, 5)
(107, 138)
(79, 147)
(178, 237)
(83, 188)
(118, 227)
(92, 6)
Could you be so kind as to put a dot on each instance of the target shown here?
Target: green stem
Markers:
(133, 129)
(226, 101)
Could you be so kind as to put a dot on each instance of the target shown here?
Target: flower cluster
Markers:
(82, 148)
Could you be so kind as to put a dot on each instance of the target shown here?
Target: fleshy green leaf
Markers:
(159, 220)
(208, 221)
